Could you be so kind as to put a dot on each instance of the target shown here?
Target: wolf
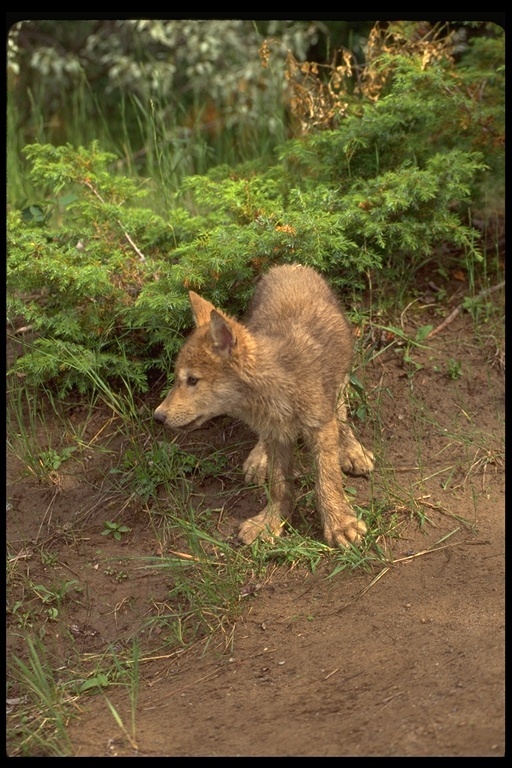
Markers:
(284, 373)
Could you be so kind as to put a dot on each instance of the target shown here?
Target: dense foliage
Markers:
(103, 280)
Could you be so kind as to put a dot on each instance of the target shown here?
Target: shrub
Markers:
(103, 280)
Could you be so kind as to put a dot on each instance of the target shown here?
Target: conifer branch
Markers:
(95, 192)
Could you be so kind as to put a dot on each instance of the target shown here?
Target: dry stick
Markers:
(451, 317)
(137, 251)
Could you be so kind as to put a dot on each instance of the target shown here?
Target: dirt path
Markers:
(414, 666)
(406, 660)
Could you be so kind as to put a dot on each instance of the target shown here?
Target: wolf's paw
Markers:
(255, 465)
(356, 460)
(344, 531)
(265, 526)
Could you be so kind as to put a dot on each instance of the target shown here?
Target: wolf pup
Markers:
(283, 373)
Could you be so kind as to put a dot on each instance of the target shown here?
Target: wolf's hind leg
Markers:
(355, 459)
(255, 465)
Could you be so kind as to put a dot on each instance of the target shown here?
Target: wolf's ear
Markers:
(201, 308)
(222, 333)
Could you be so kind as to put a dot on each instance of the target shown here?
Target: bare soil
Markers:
(406, 659)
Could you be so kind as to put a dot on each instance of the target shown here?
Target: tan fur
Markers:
(284, 374)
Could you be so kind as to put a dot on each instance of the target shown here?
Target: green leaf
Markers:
(99, 681)
(423, 332)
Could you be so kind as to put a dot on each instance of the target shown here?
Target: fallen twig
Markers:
(332, 673)
(458, 309)
(390, 698)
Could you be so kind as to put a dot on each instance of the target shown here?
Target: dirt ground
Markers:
(406, 659)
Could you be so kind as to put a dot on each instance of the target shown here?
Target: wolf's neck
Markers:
(267, 403)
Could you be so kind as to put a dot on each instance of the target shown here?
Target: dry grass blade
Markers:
(434, 548)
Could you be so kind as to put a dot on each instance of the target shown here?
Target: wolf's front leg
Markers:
(355, 458)
(270, 521)
(340, 524)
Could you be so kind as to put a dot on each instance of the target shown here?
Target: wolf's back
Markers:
(295, 302)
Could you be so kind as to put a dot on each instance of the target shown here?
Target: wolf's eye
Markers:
(192, 381)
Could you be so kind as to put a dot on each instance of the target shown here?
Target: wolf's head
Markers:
(209, 369)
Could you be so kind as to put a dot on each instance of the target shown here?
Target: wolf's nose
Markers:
(159, 416)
